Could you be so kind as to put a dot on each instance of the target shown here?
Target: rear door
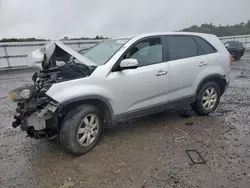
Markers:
(186, 61)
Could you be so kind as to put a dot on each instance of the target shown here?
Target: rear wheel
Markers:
(207, 99)
(81, 129)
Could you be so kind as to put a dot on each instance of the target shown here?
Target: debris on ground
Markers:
(189, 123)
(195, 156)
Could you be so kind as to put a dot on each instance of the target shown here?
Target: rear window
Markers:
(206, 48)
(239, 44)
(235, 44)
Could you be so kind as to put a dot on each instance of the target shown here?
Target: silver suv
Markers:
(75, 95)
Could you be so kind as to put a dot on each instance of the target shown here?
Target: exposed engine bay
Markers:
(58, 64)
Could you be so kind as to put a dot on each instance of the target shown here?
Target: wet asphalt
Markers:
(147, 152)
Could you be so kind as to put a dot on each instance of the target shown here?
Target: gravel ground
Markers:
(147, 152)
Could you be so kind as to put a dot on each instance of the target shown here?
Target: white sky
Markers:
(55, 19)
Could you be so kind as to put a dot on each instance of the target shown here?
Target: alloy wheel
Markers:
(209, 98)
(88, 130)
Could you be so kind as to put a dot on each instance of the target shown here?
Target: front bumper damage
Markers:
(38, 123)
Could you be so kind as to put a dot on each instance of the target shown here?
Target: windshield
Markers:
(102, 52)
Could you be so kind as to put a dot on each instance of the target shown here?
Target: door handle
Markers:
(202, 64)
(161, 72)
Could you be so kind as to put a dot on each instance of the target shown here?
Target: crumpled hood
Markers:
(46, 56)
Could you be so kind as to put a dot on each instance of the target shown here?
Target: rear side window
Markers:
(180, 47)
(206, 48)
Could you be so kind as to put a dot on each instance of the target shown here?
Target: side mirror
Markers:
(129, 64)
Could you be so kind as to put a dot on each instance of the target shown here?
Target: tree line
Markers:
(220, 31)
(98, 37)
(227, 30)
(21, 39)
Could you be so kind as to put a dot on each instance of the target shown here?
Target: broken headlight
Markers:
(22, 93)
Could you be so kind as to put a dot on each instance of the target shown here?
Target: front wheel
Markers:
(207, 99)
(81, 129)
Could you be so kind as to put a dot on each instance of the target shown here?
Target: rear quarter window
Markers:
(206, 48)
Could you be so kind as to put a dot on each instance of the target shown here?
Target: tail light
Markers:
(230, 59)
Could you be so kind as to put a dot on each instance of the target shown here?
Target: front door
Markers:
(144, 87)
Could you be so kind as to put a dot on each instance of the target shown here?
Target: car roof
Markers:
(142, 35)
(172, 33)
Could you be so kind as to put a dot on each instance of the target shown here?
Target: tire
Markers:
(81, 141)
(199, 106)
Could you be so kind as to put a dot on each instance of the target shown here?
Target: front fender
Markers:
(68, 92)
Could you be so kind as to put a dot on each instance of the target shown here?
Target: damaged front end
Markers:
(37, 117)
(36, 113)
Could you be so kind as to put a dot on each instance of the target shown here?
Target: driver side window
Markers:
(146, 52)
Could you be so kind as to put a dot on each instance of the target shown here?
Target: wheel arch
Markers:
(102, 103)
(219, 79)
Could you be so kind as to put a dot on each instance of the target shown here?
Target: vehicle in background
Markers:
(235, 48)
(119, 79)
